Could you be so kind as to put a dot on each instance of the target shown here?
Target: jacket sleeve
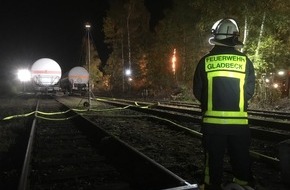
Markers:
(250, 81)
(197, 81)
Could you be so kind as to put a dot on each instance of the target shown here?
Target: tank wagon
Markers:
(75, 81)
(45, 74)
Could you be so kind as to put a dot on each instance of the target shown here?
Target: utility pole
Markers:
(88, 27)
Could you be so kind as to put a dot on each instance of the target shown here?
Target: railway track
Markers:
(269, 126)
(253, 113)
(182, 155)
(190, 123)
(71, 152)
(125, 126)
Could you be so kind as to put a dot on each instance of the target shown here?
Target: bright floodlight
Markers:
(24, 75)
(128, 72)
(88, 25)
(281, 73)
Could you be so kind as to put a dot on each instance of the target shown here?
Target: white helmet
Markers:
(225, 29)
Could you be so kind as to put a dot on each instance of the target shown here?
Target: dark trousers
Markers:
(237, 147)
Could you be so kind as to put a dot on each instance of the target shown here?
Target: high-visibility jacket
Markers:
(224, 81)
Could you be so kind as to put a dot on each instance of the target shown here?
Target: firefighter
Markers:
(224, 82)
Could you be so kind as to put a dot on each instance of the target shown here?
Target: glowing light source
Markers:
(24, 75)
(174, 61)
(275, 85)
(87, 25)
(128, 72)
(281, 73)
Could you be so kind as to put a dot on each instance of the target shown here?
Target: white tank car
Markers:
(75, 80)
(78, 76)
(46, 74)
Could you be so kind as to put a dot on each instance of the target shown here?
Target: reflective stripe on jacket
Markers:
(225, 67)
(224, 81)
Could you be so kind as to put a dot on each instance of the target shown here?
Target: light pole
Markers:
(88, 27)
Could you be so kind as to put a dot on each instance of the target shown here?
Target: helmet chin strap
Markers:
(212, 41)
(228, 42)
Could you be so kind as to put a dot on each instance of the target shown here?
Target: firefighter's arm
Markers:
(250, 80)
(197, 82)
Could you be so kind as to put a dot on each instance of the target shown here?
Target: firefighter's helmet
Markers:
(225, 32)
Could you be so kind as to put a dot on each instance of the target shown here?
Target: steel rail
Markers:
(255, 155)
(118, 155)
(124, 147)
(252, 112)
(23, 182)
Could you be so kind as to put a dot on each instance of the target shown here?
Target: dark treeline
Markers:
(146, 46)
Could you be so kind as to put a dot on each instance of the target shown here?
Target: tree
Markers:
(126, 30)
(186, 27)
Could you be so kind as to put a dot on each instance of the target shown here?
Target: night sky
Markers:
(34, 29)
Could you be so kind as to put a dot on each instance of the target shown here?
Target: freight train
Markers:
(45, 76)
